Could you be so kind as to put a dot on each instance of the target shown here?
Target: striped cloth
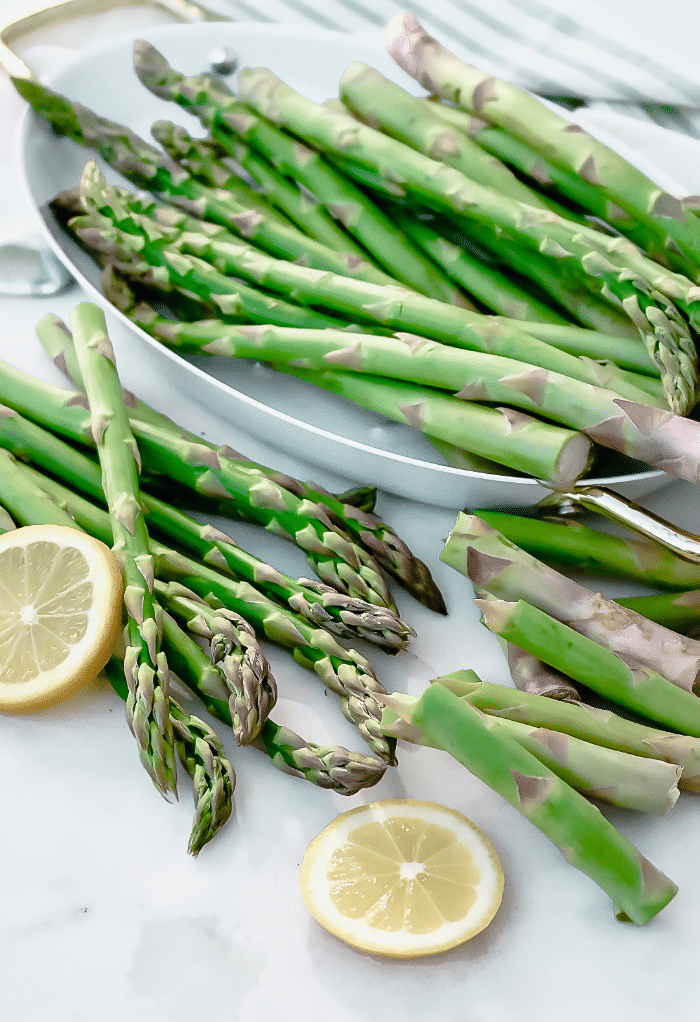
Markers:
(632, 56)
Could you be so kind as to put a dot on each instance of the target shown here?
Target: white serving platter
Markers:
(289, 414)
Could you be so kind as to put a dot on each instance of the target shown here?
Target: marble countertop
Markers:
(104, 916)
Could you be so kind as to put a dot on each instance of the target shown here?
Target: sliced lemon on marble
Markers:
(402, 878)
(60, 614)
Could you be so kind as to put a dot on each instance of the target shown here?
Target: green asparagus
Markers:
(202, 755)
(592, 254)
(664, 216)
(145, 665)
(576, 827)
(505, 570)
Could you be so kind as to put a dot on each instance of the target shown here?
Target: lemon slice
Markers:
(402, 878)
(60, 614)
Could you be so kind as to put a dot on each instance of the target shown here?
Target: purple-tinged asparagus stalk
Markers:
(504, 570)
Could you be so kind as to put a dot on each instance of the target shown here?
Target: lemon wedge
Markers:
(402, 878)
(60, 614)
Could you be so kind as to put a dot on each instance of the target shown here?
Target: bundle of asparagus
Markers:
(199, 605)
(426, 222)
(559, 635)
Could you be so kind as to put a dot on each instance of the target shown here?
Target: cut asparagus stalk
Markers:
(570, 544)
(506, 571)
(604, 775)
(588, 841)
(579, 719)
(502, 434)
(532, 675)
(638, 688)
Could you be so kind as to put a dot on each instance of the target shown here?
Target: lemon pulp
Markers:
(47, 596)
(60, 614)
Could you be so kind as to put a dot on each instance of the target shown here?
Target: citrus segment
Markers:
(402, 878)
(60, 614)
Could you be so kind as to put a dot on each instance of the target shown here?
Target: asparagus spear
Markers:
(508, 572)
(202, 755)
(388, 549)
(502, 434)
(409, 357)
(532, 675)
(591, 253)
(200, 157)
(605, 775)
(36, 497)
(496, 290)
(580, 298)
(346, 616)
(328, 766)
(626, 352)
(229, 122)
(574, 297)
(679, 611)
(665, 217)
(194, 279)
(589, 723)
(578, 828)
(145, 664)
(234, 651)
(570, 544)
(630, 684)
(197, 745)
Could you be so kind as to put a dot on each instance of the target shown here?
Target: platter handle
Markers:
(65, 10)
(622, 511)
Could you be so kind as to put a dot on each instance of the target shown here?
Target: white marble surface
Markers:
(103, 916)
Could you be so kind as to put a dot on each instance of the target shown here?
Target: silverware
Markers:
(624, 512)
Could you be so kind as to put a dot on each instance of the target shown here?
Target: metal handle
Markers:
(625, 512)
(65, 10)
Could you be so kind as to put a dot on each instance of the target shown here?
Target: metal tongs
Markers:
(624, 512)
